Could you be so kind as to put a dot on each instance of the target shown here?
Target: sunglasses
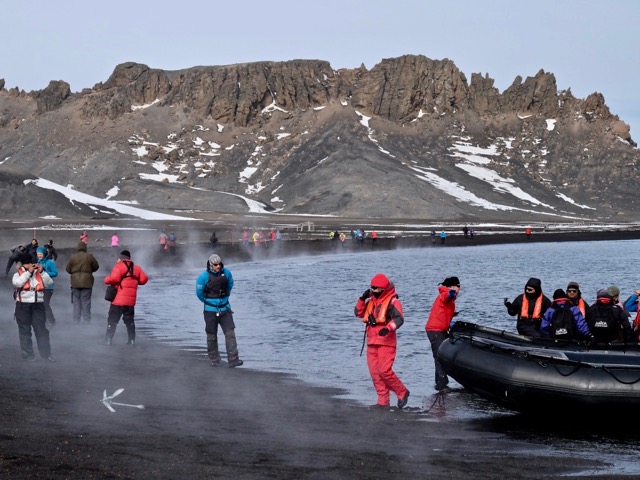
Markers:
(529, 289)
(215, 264)
(572, 290)
(376, 289)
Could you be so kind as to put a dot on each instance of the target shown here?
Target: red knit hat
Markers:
(380, 281)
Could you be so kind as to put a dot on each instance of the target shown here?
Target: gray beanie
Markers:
(214, 259)
(614, 291)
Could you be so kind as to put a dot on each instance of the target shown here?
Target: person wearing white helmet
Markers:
(213, 288)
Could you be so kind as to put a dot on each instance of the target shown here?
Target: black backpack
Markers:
(562, 324)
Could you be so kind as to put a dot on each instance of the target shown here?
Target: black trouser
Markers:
(127, 314)
(225, 320)
(51, 319)
(32, 315)
(436, 339)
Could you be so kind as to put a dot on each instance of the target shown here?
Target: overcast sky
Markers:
(589, 45)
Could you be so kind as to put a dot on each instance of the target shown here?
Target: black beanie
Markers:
(559, 293)
(451, 282)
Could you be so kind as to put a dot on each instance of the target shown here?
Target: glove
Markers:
(507, 303)
(365, 295)
(383, 332)
(371, 321)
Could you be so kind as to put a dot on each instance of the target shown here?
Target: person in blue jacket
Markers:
(49, 266)
(213, 288)
(551, 326)
(631, 306)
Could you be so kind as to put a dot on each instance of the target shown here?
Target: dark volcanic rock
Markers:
(408, 138)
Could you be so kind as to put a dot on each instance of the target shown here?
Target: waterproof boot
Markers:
(212, 350)
(234, 361)
(232, 349)
(131, 332)
(111, 330)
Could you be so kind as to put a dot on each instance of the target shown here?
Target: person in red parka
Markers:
(126, 277)
(437, 327)
(381, 311)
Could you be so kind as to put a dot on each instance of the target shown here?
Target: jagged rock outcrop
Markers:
(409, 136)
(52, 97)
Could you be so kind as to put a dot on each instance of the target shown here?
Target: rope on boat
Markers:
(439, 400)
(613, 375)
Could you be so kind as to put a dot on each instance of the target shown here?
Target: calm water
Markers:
(295, 315)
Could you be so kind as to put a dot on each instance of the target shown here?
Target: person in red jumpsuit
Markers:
(381, 312)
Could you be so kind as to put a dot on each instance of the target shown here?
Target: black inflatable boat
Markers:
(543, 376)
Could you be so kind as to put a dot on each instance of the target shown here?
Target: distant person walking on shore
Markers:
(172, 244)
(84, 238)
(213, 240)
(433, 236)
(443, 237)
(29, 282)
(527, 232)
(381, 311)
(81, 266)
(213, 288)
(115, 242)
(374, 238)
(163, 242)
(126, 277)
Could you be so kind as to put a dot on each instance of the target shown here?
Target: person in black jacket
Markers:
(52, 254)
(529, 307)
(607, 321)
(16, 253)
(31, 250)
(213, 240)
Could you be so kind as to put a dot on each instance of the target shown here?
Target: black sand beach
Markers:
(204, 422)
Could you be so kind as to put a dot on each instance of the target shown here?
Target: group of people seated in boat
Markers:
(569, 316)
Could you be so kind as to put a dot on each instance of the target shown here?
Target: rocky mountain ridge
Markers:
(410, 138)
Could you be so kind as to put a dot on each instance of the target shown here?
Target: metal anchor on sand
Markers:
(107, 401)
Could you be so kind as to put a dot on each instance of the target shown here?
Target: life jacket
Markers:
(636, 322)
(217, 286)
(562, 323)
(381, 317)
(537, 308)
(27, 285)
(582, 306)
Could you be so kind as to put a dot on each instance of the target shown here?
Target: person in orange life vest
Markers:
(574, 295)
(374, 237)
(437, 326)
(381, 311)
(126, 277)
(529, 307)
(30, 281)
